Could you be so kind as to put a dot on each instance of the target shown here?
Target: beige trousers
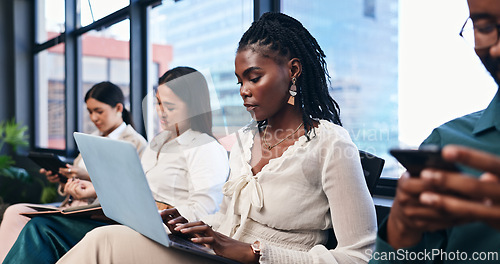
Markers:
(120, 244)
(12, 224)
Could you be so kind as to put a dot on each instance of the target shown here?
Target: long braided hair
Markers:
(281, 37)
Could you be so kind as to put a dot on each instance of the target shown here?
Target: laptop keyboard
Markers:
(188, 244)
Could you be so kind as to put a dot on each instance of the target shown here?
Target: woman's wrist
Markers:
(255, 252)
(245, 253)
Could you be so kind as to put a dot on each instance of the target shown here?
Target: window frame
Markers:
(137, 12)
(140, 60)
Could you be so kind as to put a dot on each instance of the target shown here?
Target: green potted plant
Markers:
(17, 180)
(12, 134)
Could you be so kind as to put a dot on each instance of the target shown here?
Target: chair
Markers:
(372, 169)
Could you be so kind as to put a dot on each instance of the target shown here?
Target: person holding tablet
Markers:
(185, 167)
(105, 105)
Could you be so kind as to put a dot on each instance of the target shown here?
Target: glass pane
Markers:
(204, 35)
(437, 68)
(394, 96)
(50, 96)
(364, 83)
(93, 10)
(50, 22)
(106, 57)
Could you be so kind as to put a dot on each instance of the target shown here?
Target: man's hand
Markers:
(466, 197)
(440, 199)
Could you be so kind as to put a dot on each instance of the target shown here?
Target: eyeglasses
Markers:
(480, 35)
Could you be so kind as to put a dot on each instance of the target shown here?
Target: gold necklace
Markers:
(269, 147)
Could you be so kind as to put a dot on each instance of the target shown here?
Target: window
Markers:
(391, 75)
(363, 82)
(440, 76)
(105, 57)
(391, 66)
(204, 35)
(51, 19)
(50, 95)
(98, 52)
(93, 10)
(101, 45)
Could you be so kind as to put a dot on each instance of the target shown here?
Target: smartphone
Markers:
(416, 160)
(49, 161)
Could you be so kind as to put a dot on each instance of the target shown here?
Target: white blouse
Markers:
(187, 172)
(115, 134)
(315, 185)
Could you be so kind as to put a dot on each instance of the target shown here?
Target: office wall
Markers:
(6, 60)
(16, 89)
(16, 63)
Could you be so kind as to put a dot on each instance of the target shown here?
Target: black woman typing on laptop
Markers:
(184, 165)
(295, 172)
(105, 105)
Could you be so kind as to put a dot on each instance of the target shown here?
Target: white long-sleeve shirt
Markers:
(315, 185)
(187, 172)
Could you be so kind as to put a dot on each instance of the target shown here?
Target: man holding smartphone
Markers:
(448, 216)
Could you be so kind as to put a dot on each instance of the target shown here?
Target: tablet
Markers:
(49, 161)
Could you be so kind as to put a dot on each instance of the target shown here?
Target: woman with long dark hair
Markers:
(105, 105)
(184, 164)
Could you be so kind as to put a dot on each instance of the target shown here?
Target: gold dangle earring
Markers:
(293, 92)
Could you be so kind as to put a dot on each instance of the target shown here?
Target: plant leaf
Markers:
(14, 134)
(5, 161)
(15, 173)
(2, 129)
(49, 194)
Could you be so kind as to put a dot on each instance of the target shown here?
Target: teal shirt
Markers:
(461, 244)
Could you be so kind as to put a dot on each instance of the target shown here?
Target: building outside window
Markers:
(388, 72)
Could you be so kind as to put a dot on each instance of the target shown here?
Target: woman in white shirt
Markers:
(295, 173)
(184, 164)
(105, 104)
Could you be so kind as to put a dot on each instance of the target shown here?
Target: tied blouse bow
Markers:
(246, 192)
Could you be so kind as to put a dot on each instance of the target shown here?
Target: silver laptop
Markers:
(123, 191)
